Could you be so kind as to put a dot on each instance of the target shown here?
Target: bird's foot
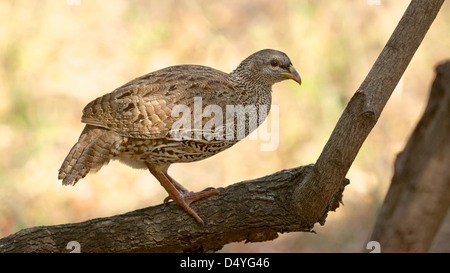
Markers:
(184, 199)
(189, 196)
(179, 194)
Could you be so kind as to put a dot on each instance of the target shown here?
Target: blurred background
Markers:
(56, 56)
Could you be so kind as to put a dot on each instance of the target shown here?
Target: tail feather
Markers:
(89, 154)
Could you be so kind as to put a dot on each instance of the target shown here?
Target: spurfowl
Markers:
(139, 122)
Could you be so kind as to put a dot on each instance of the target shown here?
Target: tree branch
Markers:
(364, 108)
(251, 210)
(290, 200)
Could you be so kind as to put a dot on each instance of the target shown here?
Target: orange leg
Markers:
(179, 194)
(189, 196)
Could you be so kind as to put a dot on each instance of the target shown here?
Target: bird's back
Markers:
(143, 107)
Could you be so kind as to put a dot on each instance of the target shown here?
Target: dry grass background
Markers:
(56, 57)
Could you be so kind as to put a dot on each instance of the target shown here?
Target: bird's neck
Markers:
(250, 84)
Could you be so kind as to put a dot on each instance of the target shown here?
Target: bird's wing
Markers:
(143, 107)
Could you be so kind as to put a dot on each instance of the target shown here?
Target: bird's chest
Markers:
(250, 113)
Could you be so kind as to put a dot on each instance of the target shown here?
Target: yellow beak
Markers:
(293, 75)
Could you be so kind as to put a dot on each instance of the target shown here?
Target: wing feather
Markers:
(142, 108)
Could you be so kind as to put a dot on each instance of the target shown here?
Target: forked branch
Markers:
(287, 201)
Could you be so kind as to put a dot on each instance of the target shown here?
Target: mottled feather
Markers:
(135, 122)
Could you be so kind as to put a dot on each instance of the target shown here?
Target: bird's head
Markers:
(267, 66)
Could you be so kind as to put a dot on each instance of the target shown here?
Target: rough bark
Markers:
(251, 210)
(419, 195)
(291, 200)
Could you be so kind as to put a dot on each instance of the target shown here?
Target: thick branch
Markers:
(420, 189)
(252, 210)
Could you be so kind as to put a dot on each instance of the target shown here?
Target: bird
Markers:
(137, 123)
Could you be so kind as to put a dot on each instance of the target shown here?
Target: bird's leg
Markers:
(178, 193)
(176, 184)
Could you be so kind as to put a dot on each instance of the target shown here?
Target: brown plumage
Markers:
(135, 123)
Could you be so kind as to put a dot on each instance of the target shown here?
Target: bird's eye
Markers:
(274, 63)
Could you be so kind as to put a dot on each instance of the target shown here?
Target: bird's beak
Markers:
(293, 75)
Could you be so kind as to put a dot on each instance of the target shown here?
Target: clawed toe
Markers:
(190, 197)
